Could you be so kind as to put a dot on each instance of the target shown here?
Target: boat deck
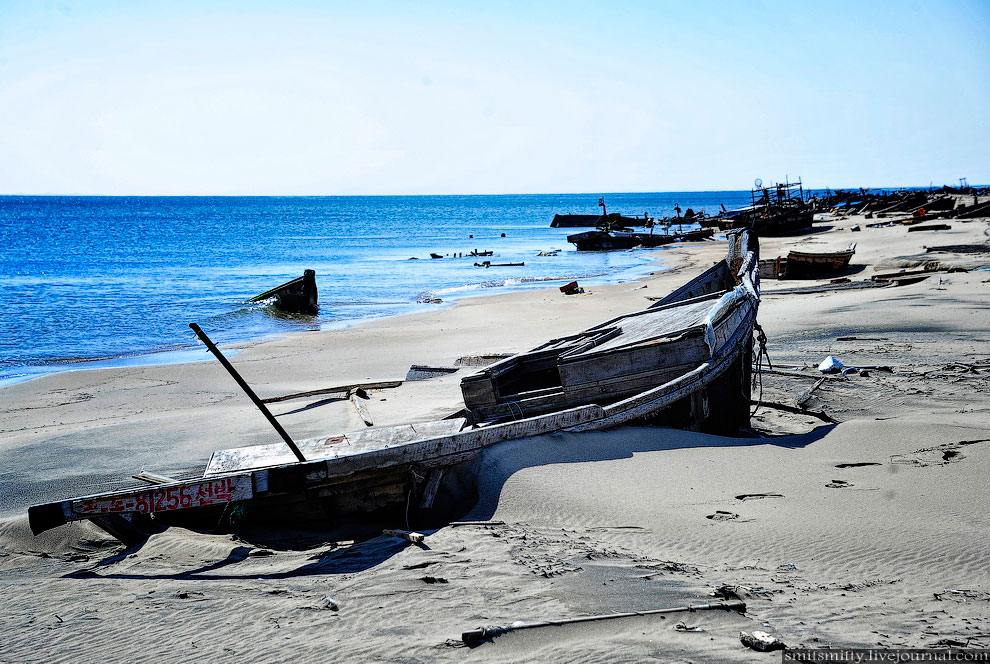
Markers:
(654, 324)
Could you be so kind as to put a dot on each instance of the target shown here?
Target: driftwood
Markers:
(476, 636)
(826, 288)
(806, 396)
(932, 227)
(358, 397)
(961, 248)
(153, 478)
(455, 524)
(823, 416)
(408, 535)
(343, 390)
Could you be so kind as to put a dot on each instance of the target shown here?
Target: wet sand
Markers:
(872, 531)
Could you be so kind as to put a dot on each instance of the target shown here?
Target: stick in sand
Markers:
(476, 636)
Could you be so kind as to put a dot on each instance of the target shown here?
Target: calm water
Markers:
(112, 277)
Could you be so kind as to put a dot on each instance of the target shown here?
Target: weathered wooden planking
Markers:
(261, 456)
(652, 356)
(653, 324)
(713, 280)
(295, 477)
(658, 398)
(167, 498)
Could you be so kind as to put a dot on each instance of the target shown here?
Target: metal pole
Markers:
(244, 386)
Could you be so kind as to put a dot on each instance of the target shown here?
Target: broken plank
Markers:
(806, 396)
(153, 478)
(358, 402)
(345, 389)
(430, 490)
(409, 536)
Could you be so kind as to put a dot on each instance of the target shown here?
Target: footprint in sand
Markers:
(758, 496)
(936, 456)
(721, 515)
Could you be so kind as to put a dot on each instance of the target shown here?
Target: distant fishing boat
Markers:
(299, 296)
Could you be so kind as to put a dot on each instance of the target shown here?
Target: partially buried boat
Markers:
(685, 361)
(807, 264)
(610, 240)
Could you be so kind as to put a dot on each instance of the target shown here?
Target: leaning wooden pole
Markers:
(247, 389)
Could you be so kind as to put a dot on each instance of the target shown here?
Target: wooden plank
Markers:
(263, 456)
(155, 478)
(415, 538)
(714, 279)
(430, 490)
(342, 389)
(358, 402)
(120, 528)
(806, 395)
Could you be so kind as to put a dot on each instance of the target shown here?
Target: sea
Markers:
(88, 282)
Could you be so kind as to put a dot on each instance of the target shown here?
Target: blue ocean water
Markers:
(87, 278)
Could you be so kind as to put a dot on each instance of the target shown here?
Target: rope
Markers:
(761, 338)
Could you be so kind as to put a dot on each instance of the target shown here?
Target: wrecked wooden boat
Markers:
(815, 263)
(776, 210)
(807, 264)
(685, 361)
(593, 220)
(299, 296)
(605, 241)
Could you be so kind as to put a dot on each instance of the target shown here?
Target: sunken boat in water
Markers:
(609, 240)
(685, 362)
(299, 296)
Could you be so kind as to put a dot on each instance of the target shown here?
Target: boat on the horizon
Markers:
(685, 362)
(613, 220)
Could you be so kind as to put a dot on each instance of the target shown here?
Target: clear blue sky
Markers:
(489, 97)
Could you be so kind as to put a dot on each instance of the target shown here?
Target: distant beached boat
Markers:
(685, 362)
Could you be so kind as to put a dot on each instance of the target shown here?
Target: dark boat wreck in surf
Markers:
(610, 240)
(685, 362)
(299, 296)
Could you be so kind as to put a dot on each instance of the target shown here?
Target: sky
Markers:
(342, 98)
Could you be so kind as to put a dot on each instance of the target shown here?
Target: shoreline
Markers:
(180, 354)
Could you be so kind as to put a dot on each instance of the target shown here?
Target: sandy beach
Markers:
(869, 532)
